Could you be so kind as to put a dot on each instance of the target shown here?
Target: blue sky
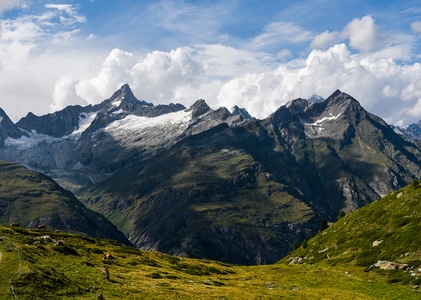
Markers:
(252, 53)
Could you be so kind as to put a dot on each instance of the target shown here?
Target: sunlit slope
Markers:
(52, 265)
(388, 229)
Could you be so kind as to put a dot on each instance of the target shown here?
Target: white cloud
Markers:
(9, 4)
(68, 13)
(416, 26)
(325, 39)
(159, 77)
(284, 54)
(112, 75)
(279, 32)
(65, 94)
(363, 34)
(377, 82)
(31, 59)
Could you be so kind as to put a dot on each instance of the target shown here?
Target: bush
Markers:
(323, 224)
(65, 250)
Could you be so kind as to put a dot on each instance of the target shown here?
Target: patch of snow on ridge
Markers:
(132, 122)
(85, 120)
(117, 101)
(322, 120)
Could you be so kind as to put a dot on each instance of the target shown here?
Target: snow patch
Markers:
(132, 122)
(322, 120)
(117, 101)
(85, 120)
(120, 111)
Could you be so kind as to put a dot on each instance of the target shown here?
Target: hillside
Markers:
(388, 229)
(32, 198)
(51, 265)
(205, 197)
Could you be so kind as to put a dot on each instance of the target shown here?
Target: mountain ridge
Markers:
(209, 183)
(312, 160)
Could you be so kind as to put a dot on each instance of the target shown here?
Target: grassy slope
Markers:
(41, 270)
(394, 220)
(31, 198)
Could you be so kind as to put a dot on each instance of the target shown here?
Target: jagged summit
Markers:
(7, 128)
(124, 99)
(237, 111)
(199, 108)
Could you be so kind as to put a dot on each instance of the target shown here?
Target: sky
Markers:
(252, 53)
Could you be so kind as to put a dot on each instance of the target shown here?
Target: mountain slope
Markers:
(243, 194)
(31, 199)
(79, 146)
(387, 229)
(205, 197)
(345, 157)
(7, 128)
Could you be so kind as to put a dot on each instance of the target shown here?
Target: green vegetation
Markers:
(33, 267)
(388, 229)
(31, 198)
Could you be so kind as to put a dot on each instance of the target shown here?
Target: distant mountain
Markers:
(244, 193)
(216, 183)
(412, 131)
(8, 129)
(32, 198)
(79, 145)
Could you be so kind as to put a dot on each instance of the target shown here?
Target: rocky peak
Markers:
(57, 124)
(125, 100)
(297, 106)
(199, 108)
(7, 128)
(237, 111)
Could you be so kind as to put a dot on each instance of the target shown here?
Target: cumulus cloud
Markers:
(325, 39)
(161, 77)
(24, 62)
(363, 34)
(377, 82)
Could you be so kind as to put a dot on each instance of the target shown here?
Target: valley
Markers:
(200, 182)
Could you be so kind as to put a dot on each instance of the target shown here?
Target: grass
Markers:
(36, 269)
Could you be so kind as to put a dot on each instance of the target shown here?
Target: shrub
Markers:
(65, 250)
(323, 224)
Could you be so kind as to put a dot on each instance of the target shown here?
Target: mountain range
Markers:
(211, 183)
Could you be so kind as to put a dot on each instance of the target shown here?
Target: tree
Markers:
(296, 245)
(323, 224)
(341, 214)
